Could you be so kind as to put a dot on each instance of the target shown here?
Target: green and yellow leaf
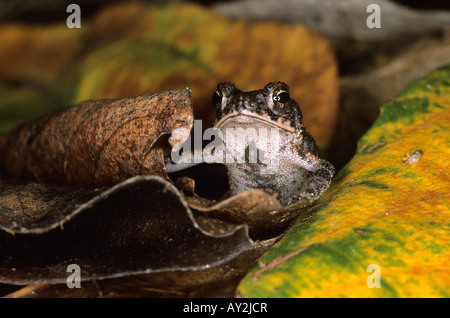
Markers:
(388, 207)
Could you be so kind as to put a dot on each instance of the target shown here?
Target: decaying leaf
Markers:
(130, 49)
(96, 143)
(141, 225)
(216, 281)
(380, 211)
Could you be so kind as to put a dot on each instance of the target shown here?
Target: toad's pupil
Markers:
(283, 97)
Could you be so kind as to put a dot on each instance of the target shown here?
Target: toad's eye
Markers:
(281, 97)
(217, 98)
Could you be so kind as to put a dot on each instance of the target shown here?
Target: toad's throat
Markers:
(246, 116)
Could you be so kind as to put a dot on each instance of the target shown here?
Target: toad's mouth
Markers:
(246, 117)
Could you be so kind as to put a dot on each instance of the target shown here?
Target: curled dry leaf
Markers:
(96, 143)
(142, 225)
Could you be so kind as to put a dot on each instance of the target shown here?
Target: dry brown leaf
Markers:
(142, 225)
(96, 143)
